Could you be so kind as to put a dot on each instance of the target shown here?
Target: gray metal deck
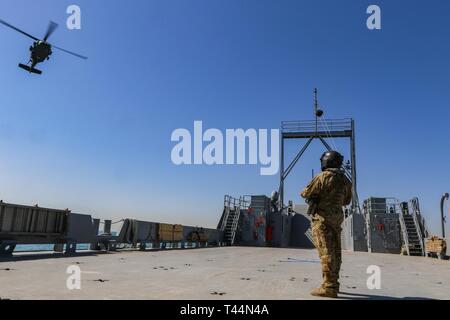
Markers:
(218, 273)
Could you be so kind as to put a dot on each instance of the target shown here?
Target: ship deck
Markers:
(218, 273)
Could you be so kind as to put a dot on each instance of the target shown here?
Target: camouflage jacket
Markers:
(332, 189)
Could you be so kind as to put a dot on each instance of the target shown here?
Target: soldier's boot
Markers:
(334, 280)
(329, 288)
(337, 287)
(324, 292)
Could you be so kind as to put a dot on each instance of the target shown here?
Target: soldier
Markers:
(326, 194)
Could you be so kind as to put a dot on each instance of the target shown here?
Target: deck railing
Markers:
(322, 125)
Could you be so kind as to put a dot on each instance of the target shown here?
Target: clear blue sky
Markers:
(94, 135)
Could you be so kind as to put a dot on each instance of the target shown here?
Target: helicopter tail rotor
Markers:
(51, 28)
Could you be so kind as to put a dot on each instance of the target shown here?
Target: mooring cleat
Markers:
(325, 293)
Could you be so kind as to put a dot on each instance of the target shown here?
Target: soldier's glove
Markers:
(312, 206)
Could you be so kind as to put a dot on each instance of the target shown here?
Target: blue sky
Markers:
(94, 135)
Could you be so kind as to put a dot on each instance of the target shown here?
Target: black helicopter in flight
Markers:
(41, 50)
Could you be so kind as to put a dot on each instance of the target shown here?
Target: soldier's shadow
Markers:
(359, 296)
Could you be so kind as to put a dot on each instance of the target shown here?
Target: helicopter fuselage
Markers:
(40, 51)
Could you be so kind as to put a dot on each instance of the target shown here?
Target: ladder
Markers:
(230, 218)
(411, 234)
(231, 226)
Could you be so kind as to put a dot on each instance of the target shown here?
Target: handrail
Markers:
(322, 125)
(421, 220)
(419, 231)
(226, 213)
(404, 232)
(237, 215)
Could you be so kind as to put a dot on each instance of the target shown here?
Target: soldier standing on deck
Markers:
(326, 194)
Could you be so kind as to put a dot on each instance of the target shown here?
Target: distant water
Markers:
(45, 247)
(85, 246)
(49, 247)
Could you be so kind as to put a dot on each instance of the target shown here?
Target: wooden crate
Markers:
(436, 245)
(178, 233)
(164, 227)
(170, 232)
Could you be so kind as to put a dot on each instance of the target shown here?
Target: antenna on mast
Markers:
(317, 112)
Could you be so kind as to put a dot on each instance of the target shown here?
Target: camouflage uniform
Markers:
(332, 190)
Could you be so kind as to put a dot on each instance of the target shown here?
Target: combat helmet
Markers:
(331, 159)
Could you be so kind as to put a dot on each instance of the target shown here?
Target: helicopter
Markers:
(41, 50)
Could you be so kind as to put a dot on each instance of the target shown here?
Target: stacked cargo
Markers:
(436, 247)
(170, 232)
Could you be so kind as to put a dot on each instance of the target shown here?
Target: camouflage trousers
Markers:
(327, 239)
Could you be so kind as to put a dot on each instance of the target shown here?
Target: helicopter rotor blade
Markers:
(18, 30)
(69, 52)
(51, 28)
